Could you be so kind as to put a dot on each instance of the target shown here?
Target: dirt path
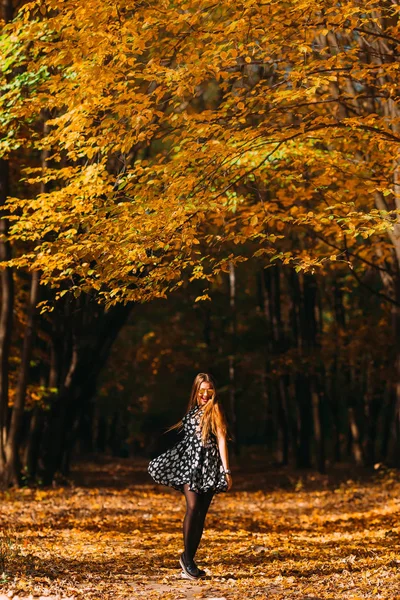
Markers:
(274, 536)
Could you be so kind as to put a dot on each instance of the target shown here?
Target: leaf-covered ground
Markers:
(112, 533)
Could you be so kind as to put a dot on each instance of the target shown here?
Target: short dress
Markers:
(190, 461)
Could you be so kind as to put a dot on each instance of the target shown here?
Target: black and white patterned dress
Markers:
(190, 461)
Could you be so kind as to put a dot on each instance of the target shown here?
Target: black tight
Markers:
(193, 524)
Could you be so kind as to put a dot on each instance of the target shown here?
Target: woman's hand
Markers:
(228, 480)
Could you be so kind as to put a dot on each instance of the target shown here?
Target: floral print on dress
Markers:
(190, 461)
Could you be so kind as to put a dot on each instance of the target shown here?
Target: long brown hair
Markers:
(212, 418)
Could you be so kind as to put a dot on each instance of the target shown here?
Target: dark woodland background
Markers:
(304, 366)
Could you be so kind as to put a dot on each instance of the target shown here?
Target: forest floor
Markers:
(112, 533)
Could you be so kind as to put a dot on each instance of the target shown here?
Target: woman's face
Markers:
(205, 394)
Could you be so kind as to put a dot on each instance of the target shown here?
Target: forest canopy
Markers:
(181, 135)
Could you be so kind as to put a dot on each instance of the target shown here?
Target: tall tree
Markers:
(6, 279)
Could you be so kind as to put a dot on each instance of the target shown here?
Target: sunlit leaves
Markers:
(176, 122)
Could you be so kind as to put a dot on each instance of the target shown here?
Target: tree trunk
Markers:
(6, 282)
(270, 416)
(32, 450)
(6, 315)
(319, 434)
(232, 358)
(13, 466)
(305, 422)
(355, 437)
(283, 418)
(7, 10)
(388, 411)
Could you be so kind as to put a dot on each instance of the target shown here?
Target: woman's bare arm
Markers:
(223, 451)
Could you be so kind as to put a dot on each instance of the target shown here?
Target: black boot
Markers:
(189, 568)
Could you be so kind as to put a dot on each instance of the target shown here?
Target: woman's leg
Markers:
(190, 522)
(205, 501)
(196, 510)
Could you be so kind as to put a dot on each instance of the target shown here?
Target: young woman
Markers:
(197, 466)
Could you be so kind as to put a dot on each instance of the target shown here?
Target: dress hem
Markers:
(179, 488)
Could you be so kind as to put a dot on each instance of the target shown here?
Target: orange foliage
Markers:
(175, 122)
